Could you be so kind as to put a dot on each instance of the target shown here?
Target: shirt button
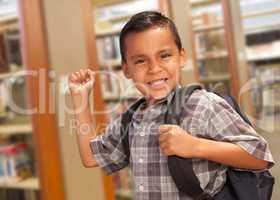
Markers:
(141, 188)
(140, 160)
(142, 133)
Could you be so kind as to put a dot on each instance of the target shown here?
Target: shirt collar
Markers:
(166, 100)
(172, 93)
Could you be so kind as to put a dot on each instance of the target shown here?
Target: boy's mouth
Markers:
(157, 83)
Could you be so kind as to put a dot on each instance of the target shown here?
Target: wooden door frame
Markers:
(237, 44)
(45, 132)
(234, 78)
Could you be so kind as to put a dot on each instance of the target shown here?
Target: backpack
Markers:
(240, 185)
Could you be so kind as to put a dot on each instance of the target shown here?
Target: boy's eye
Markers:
(139, 61)
(165, 55)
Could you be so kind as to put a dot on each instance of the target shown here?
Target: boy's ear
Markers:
(125, 70)
(183, 57)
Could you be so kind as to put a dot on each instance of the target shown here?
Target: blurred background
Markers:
(233, 47)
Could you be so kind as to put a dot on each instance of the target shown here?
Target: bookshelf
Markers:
(217, 51)
(26, 50)
(31, 183)
(213, 49)
(12, 129)
(261, 27)
(18, 173)
(195, 3)
(16, 129)
(262, 35)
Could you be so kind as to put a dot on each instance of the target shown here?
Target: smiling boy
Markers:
(211, 132)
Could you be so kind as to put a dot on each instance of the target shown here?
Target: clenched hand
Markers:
(174, 140)
(81, 82)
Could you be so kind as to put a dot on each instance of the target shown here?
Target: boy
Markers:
(211, 132)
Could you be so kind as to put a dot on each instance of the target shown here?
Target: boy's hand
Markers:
(173, 140)
(81, 82)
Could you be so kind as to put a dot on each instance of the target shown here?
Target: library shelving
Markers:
(18, 173)
(262, 35)
(25, 137)
(251, 34)
(218, 49)
(213, 49)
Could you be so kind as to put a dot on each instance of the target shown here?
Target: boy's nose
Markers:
(154, 67)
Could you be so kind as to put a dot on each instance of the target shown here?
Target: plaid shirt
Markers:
(206, 115)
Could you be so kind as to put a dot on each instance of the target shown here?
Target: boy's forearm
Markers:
(228, 154)
(84, 132)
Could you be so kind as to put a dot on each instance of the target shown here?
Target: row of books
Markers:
(220, 87)
(264, 51)
(118, 10)
(209, 33)
(108, 51)
(213, 67)
(266, 88)
(116, 87)
(15, 163)
(3, 100)
(14, 194)
(10, 53)
(12, 96)
(210, 41)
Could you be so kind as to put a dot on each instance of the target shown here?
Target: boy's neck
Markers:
(152, 101)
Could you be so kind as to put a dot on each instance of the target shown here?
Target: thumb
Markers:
(89, 84)
(164, 128)
(91, 75)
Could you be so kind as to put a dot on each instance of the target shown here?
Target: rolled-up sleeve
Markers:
(108, 150)
(225, 124)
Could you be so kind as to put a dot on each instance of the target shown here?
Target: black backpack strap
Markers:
(125, 122)
(175, 106)
(181, 169)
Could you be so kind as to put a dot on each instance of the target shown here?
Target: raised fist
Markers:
(81, 82)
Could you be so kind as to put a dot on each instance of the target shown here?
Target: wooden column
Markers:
(35, 58)
(230, 45)
(181, 15)
(164, 7)
(236, 42)
(100, 120)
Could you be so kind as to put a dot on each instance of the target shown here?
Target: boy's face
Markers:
(153, 62)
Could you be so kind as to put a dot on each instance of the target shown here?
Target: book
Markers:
(15, 163)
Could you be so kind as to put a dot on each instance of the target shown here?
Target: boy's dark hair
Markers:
(142, 22)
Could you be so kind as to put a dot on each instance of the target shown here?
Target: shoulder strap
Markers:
(125, 122)
(181, 169)
(176, 104)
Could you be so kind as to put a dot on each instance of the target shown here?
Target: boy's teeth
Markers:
(157, 83)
